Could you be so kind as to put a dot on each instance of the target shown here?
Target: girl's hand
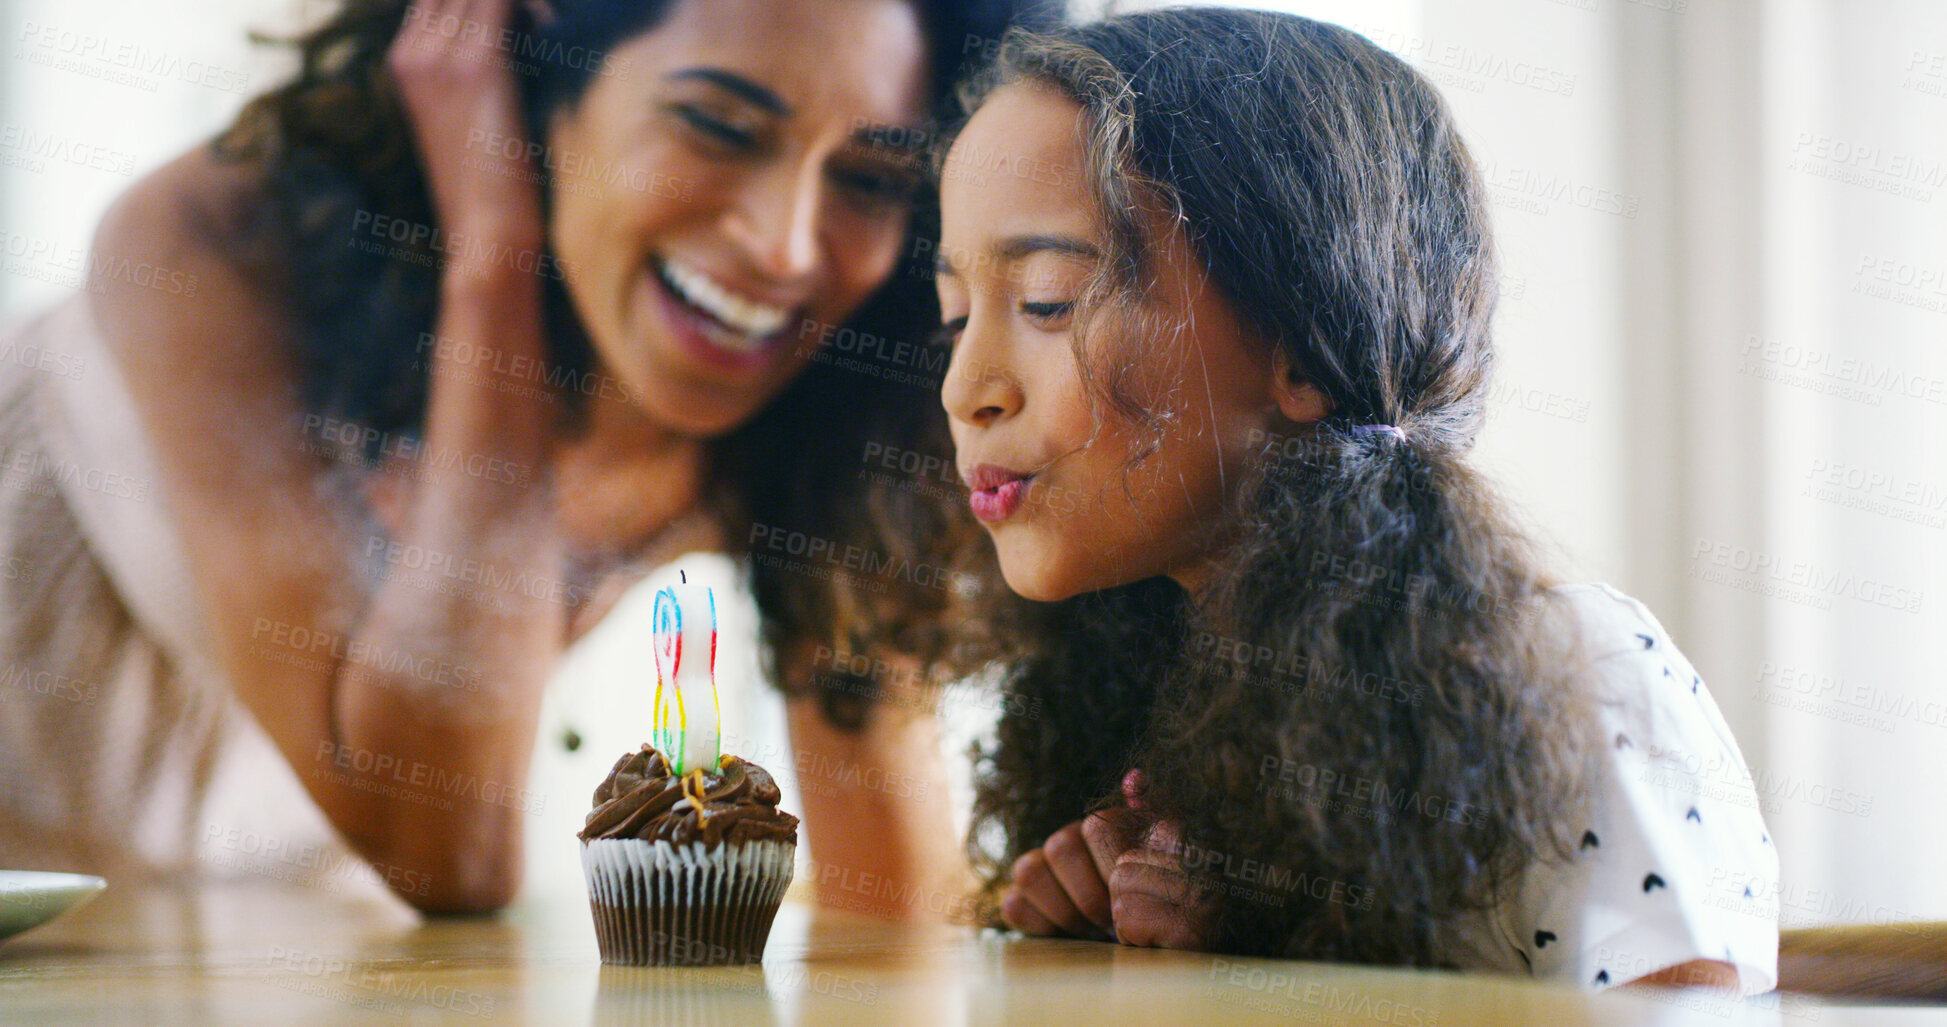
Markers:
(1154, 901)
(1062, 887)
(1112, 877)
(464, 106)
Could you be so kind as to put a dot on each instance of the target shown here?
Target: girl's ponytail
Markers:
(1369, 686)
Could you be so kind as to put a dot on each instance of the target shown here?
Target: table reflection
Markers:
(257, 953)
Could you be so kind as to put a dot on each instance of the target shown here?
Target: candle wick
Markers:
(684, 576)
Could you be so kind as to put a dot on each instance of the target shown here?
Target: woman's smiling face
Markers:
(726, 195)
(1077, 498)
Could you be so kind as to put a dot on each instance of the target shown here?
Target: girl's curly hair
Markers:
(1369, 722)
(332, 150)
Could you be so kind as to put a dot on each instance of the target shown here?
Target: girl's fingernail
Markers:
(1166, 836)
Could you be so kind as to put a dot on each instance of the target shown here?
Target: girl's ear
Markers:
(1297, 399)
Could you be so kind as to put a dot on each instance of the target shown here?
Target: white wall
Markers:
(1851, 192)
(95, 93)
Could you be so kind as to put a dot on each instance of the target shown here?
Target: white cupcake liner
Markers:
(658, 904)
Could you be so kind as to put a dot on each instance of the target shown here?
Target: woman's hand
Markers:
(496, 510)
(464, 105)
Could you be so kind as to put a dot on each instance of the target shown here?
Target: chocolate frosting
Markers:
(641, 800)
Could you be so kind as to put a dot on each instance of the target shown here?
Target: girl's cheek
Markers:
(1071, 418)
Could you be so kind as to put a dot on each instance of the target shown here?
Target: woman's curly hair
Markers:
(1368, 722)
(332, 150)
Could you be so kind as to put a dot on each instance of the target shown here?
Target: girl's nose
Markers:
(980, 389)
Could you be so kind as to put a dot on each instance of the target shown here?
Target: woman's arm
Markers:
(271, 555)
(423, 772)
(878, 814)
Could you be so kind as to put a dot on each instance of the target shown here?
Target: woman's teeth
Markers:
(747, 317)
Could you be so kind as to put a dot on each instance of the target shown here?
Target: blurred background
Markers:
(1723, 340)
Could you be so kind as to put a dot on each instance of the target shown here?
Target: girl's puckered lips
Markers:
(997, 491)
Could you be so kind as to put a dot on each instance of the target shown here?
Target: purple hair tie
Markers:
(1376, 429)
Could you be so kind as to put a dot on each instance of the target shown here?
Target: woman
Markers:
(487, 306)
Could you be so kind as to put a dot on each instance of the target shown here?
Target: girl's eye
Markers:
(1048, 311)
(714, 128)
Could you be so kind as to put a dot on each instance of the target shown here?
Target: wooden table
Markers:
(264, 954)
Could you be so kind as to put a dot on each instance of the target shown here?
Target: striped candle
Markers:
(688, 728)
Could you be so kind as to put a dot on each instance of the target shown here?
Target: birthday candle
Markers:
(689, 719)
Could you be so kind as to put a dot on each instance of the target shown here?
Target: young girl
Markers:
(1218, 285)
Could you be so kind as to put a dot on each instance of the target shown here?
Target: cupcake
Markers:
(686, 870)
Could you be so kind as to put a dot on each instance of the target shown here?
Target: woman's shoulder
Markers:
(175, 296)
(202, 346)
(174, 246)
(197, 197)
